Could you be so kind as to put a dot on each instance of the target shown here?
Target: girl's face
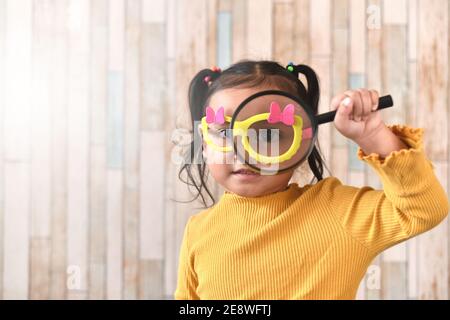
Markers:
(229, 172)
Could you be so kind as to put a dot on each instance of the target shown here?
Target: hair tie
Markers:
(291, 68)
(208, 79)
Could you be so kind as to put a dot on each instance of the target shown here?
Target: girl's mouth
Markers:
(245, 172)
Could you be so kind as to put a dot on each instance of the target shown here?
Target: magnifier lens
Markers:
(273, 132)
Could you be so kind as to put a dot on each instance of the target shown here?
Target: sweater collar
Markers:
(263, 208)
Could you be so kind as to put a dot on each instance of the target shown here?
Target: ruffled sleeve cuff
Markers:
(412, 137)
(402, 167)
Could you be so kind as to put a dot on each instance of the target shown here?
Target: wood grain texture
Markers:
(2, 155)
(92, 91)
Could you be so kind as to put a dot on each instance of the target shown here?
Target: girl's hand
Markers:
(355, 116)
(357, 119)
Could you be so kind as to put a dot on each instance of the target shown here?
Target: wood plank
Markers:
(40, 113)
(412, 29)
(411, 105)
(116, 34)
(374, 81)
(170, 244)
(239, 35)
(2, 109)
(283, 37)
(413, 277)
(151, 204)
(132, 113)
(395, 12)
(16, 126)
(117, 286)
(114, 119)
(433, 75)
(78, 146)
(224, 5)
(18, 44)
(59, 104)
(118, 266)
(340, 15)
(98, 223)
(40, 251)
(115, 105)
(224, 44)
(152, 215)
(153, 11)
(171, 28)
(433, 252)
(43, 14)
(151, 279)
(374, 55)
(361, 292)
(357, 36)
(115, 268)
(394, 71)
(214, 9)
(97, 161)
(302, 30)
(320, 30)
(16, 230)
(339, 164)
(153, 76)
(395, 272)
(339, 157)
(259, 29)
(356, 178)
(394, 278)
(433, 22)
(373, 280)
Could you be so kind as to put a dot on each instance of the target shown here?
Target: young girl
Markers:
(268, 239)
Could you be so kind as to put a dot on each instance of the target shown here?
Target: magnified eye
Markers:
(269, 135)
(224, 133)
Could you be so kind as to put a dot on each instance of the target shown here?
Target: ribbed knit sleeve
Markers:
(412, 200)
(187, 278)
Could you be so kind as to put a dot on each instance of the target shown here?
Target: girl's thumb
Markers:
(343, 112)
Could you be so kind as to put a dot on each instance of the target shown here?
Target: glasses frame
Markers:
(240, 128)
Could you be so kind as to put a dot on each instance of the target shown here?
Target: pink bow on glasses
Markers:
(286, 117)
(217, 118)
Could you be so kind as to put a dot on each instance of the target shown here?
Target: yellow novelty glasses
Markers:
(241, 128)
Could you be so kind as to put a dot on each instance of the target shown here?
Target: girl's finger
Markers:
(357, 104)
(367, 103)
(375, 97)
(343, 113)
(336, 101)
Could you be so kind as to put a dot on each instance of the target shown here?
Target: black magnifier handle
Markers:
(383, 103)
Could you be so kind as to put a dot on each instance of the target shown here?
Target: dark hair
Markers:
(244, 74)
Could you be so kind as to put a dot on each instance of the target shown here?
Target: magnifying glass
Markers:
(274, 131)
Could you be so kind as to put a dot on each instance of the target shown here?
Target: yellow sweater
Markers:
(310, 242)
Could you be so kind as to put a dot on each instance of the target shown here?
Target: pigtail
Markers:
(313, 91)
(193, 167)
(315, 160)
(198, 92)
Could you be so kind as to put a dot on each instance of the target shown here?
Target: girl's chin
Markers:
(246, 190)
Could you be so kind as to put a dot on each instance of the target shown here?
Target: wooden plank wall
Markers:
(93, 94)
